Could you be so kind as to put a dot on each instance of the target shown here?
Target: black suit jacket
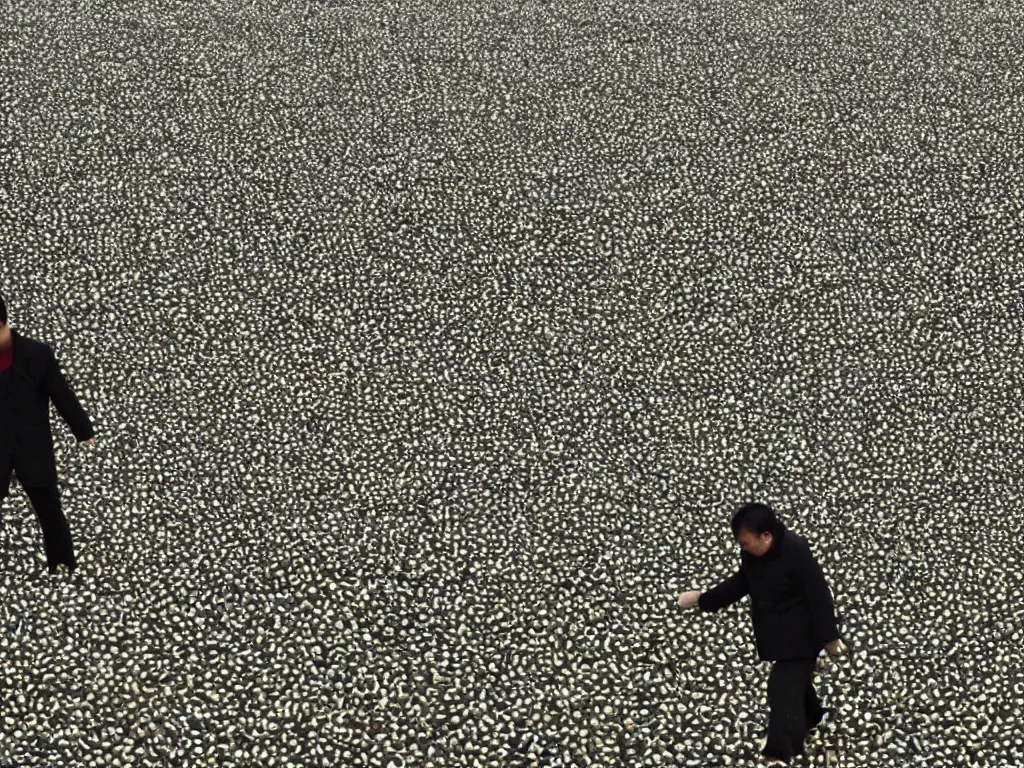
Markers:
(790, 602)
(27, 447)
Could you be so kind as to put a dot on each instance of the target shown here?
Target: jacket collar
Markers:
(777, 538)
(18, 348)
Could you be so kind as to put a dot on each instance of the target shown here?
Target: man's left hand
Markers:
(89, 443)
(835, 648)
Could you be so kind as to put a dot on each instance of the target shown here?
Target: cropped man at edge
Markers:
(793, 617)
(29, 379)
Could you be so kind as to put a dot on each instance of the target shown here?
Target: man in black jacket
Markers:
(29, 379)
(793, 617)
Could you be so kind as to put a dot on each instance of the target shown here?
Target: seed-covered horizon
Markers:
(430, 348)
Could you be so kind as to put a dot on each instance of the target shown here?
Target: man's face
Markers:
(5, 335)
(754, 544)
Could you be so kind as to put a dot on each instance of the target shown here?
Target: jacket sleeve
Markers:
(64, 400)
(816, 595)
(725, 594)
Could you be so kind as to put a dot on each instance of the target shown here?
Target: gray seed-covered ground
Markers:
(431, 346)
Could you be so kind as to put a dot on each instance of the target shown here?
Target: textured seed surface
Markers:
(431, 346)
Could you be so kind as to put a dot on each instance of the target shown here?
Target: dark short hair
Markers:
(756, 518)
(3, 311)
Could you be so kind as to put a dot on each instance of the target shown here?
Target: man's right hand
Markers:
(688, 599)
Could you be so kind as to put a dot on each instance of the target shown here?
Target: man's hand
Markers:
(836, 647)
(688, 599)
(89, 443)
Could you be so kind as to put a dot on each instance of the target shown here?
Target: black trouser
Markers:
(45, 502)
(793, 707)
